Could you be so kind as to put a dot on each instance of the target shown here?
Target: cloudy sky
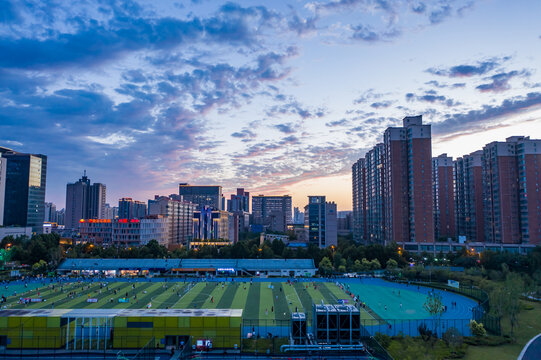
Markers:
(274, 96)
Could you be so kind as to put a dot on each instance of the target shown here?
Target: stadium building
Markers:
(229, 267)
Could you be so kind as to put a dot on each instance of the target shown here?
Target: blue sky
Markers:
(274, 96)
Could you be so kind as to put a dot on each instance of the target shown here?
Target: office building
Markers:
(111, 212)
(444, 204)
(272, 212)
(239, 202)
(180, 216)
(50, 212)
(210, 225)
(15, 231)
(298, 216)
(344, 221)
(84, 201)
(124, 232)
(131, 209)
(3, 167)
(468, 197)
(202, 195)
(24, 196)
(320, 222)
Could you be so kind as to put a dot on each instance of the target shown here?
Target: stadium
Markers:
(202, 309)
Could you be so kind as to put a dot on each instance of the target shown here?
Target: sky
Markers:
(278, 97)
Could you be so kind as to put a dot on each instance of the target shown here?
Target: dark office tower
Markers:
(375, 196)
(239, 202)
(77, 202)
(96, 201)
(202, 195)
(444, 206)
(359, 200)
(131, 209)
(500, 175)
(24, 203)
(274, 212)
(84, 201)
(320, 220)
(529, 195)
(469, 214)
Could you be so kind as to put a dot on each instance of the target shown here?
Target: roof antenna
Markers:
(84, 173)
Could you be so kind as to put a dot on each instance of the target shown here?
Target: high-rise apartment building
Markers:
(202, 195)
(392, 187)
(320, 222)
(180, 215)
(375, 195)
(24, 199)
(444, 204)
(3, 167)
(131, 209)
(468, 196)
(111, 212)
(359, 200)
(84, 201)
(273, 212)
(529, 195)
(511, 191)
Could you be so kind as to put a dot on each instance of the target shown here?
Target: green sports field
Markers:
(259, 300)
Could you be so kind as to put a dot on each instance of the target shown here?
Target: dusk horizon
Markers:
(276, 98)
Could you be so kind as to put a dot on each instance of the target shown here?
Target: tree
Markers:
(375, 264)
(391, 264)
(325, 266)
(357, 267)
(453, 338)
(434, 306)
(39, 267)
(514, 286)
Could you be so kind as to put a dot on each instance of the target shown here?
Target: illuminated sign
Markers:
(91, 300)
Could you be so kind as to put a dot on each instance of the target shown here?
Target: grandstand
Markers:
(227, 267)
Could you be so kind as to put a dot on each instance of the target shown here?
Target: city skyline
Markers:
(277, 98)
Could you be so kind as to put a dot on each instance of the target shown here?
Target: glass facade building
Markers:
(24, 203)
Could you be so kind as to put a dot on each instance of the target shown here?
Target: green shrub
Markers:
(489, 340)
(383, 339)
(477, 329)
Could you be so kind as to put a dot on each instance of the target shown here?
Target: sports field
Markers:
(265, 303)
(272, 300)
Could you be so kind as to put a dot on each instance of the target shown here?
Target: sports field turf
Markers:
(261, 301)
(272, 300)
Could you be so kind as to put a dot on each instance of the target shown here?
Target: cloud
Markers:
(285, 128)
(368, 34)
(245, 134)
(293, 107)
(475, 118)
(382, 104)
(500, 82)
(439, 85)
(96, 41)
(431, 96)
(469, 70)
(341, 122)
